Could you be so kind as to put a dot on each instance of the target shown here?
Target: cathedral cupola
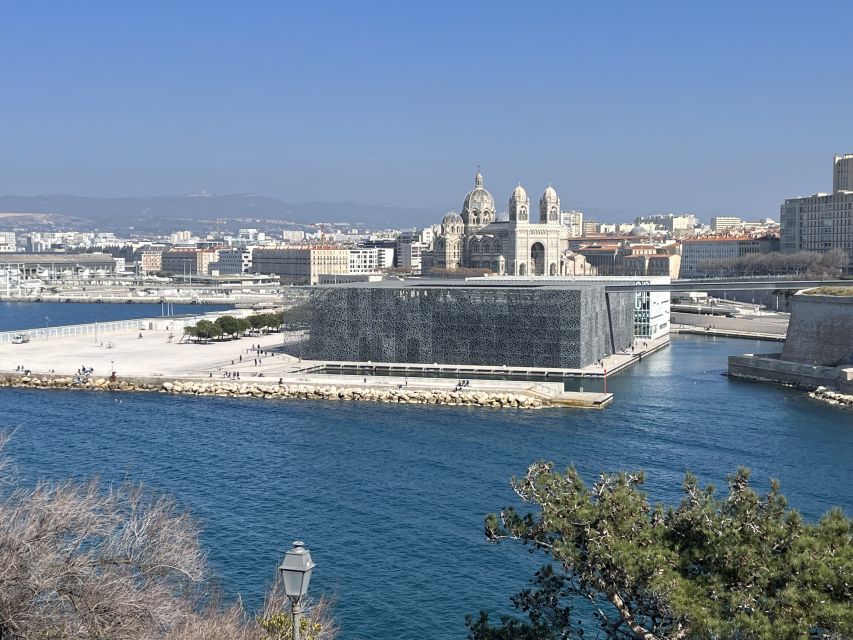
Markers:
(549, 206)
(519, 205)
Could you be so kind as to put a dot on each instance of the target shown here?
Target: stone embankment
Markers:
(832, 397)
(284, 391)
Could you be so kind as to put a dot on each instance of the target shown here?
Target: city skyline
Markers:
(628, 110)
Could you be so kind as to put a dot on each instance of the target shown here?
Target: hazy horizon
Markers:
(624, 108)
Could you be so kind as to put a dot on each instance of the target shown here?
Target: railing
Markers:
(545, 389)
(95, 328)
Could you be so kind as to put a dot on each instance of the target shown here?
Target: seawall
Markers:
(273, 390)
(820, 331)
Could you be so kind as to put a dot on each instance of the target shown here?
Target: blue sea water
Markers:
(390, 499)
(36, 315)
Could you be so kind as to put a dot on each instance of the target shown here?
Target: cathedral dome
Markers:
(478, 199)
(637, 231)
(452, 218)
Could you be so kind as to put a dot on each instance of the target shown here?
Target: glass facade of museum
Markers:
(558, 327)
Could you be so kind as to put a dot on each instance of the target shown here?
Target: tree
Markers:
(739, 567)
(272, 320)
(207, 330)
(81, 561)
(256, 321)
(228, 325)
(243, 325)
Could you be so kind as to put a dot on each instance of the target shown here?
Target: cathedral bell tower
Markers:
(549, 207)
(519, 206)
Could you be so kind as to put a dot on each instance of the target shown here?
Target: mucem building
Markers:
(526, 324)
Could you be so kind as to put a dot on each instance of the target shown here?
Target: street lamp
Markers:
(296, 573)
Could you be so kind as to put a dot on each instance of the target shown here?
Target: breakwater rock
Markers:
(234, 389)
(832, 397)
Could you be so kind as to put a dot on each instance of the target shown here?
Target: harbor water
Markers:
(390, 498)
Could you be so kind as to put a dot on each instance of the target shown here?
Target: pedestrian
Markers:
(241, 358)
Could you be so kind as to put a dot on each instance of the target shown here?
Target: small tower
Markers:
(449, 244)
(519, 206)
(549, 207)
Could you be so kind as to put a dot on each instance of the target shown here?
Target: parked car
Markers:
(20, 339)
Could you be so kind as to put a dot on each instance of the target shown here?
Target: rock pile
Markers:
(284, 391)
(832, 397)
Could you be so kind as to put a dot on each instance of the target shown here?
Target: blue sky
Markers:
(629, 107)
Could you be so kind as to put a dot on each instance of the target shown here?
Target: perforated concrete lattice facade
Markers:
(516, 326)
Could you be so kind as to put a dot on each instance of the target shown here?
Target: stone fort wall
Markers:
(561, 328)
(820, 331)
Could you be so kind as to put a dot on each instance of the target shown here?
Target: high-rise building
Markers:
(842, 173)
(823, 221)
(590, 227)
(573, 221)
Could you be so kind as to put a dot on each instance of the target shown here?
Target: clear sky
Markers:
(638, 106)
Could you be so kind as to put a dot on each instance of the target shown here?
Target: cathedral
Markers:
(517, 246)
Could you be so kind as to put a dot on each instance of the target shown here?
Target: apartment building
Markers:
(697, 250)
(823, 221)
(573, 222)
(364, 260)
(188, 261)
(722, 223)
(301, 265)
(7, 242)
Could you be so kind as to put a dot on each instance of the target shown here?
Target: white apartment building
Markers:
(370, 259)
(695, 251)
(721, 223)
(676, 224)
(7, 242)
(180, 236)
(823, 221)
(292, 235)
(409, 255)
(573, 221)
(232, 262)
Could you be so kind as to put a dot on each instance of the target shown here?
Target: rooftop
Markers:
(54, 258)
(499, 282)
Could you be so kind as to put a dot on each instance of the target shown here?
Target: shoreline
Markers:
(519, 399)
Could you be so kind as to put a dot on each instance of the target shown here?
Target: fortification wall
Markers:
(820, 331)
(561, 328)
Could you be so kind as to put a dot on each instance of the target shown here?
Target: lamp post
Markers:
(296, 572)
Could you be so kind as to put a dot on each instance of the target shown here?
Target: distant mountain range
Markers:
(156, 213)
(121, 212)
